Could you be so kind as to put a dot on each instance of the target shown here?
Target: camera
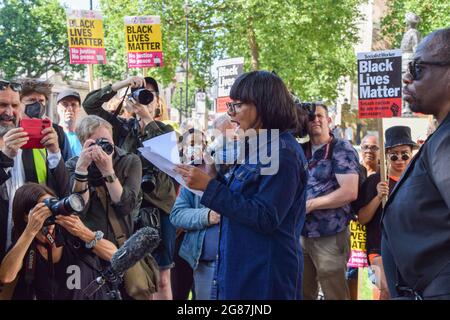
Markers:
(104, 144)
(306, 111)
(142, 96)
(66, 206)
(148, 182)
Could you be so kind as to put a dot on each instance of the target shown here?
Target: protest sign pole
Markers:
(90, 70)
(382, 154)
(144, 72)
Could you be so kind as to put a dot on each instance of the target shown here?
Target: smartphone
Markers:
(34, 128)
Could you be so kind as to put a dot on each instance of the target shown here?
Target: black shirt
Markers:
(373, 228)
(75, 260)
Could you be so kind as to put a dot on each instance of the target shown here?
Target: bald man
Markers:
(416, 220)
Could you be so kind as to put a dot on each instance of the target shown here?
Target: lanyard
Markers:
(309, 154)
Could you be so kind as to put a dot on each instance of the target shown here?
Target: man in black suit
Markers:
(416, 219)
(19, 166)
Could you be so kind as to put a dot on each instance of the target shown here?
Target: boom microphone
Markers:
(141, 243)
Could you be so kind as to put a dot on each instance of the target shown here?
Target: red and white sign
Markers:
(380, 84)
(228, 71)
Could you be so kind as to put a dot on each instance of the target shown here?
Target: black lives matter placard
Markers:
(380, 84)
(85, 31)
(228, 70)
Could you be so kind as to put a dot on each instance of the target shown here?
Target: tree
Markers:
(34, 38)
(434, 15)
(307, 43)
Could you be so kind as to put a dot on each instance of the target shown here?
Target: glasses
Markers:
(13, 85)
(394, 157)
(415, 69)
(372, 148)
(233, 107)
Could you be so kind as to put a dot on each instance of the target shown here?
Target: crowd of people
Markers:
(259, 215)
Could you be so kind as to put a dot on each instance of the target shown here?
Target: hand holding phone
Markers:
(34, 128)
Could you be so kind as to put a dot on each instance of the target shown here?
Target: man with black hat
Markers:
(68, 107)
(416, 218)
(158, 188)
(399, 147)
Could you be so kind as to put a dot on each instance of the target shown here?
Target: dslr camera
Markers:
(306, 111)
(142, 96)
(149, 172)
(66, 206)
(104, 144)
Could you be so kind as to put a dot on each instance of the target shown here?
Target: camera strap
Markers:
(119, 231)
(51, 270)
(119, 107)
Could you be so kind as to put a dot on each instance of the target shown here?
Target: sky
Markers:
(81, 4)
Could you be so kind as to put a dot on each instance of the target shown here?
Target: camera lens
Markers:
(75, 203)
(148, 183)
(143, 96)
(105, 145)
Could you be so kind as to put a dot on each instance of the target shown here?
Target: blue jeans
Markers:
(203, 279)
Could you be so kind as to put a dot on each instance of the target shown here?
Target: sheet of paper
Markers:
(162, 152)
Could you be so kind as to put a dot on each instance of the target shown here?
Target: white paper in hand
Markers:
(162, 152)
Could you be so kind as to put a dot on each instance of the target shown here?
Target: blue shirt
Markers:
(262, 215)
(338, 157)
(189, 214)
(74, 143)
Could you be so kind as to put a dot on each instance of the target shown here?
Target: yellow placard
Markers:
(143, 38)
(85, 33)
(357, 236)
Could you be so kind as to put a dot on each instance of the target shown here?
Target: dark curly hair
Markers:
(29, 86)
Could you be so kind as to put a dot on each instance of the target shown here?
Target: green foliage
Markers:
(33, 35)
(434, 15)
(308, 43)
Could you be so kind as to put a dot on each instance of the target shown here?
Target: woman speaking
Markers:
(262, 200)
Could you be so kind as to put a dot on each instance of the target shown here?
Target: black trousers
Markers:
(181, 275)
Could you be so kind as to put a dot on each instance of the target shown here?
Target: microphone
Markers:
(141, 243)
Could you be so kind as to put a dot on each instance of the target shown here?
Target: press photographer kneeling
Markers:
(54, 255)
(142, 99)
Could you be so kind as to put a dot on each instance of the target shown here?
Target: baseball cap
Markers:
(68, 93)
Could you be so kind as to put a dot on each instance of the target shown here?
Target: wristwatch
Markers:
(111, 178)
(98, 236)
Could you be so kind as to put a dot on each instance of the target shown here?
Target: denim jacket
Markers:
(260, 255)
(189, 214)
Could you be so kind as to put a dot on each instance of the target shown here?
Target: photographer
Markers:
(158, 188)
(37, 267)
(17, 165)
(107, 177)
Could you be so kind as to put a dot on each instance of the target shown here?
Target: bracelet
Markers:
(81, 179)
(81, 173)
(98, 236)
(82, 191)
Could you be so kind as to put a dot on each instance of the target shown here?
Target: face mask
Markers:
(35, 110)
(227, 153)
(194, 152)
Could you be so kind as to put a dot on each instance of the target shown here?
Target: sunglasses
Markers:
(415, 69)
(372, 148)
(13, 85)
(405, 156)
(233, 107)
